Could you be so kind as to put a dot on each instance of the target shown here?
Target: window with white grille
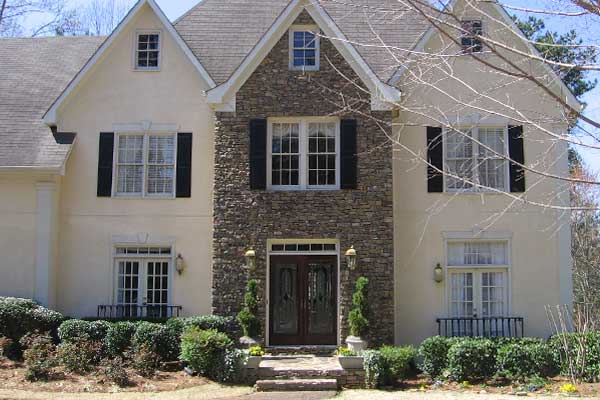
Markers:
(147, 53)
(304, 48)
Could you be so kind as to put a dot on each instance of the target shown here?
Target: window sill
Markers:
(146, 69)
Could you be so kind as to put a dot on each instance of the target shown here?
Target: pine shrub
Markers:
(357, 319)
(247, 316)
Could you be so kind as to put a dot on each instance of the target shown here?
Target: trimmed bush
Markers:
(118, 337)
(523, 360)
(114, 371)
(247, 316)
(81, 356)
(398, 363)
(75, 330)
(226, 325)
(144, 361)
(472, 359)
(581, 355)
(205, 351)
(357, 319)
(39, 356)
(434, 355)
(161, 339)
(374, 369)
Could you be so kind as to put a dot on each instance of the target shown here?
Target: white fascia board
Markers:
(383, 95)
(50, 118)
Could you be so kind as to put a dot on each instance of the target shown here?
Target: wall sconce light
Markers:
(250, 259)
(438, 273)
(351, 258)
(179, 264)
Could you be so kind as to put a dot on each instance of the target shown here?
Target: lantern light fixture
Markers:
(250, 259)
(351, 258)
(438, 273)
(179, 264)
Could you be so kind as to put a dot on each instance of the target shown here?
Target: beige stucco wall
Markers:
(539, 237)
(114, 93)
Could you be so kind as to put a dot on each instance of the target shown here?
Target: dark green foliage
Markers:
(19, 317)
(434, 355)
(115, 372)
(472, 359)
(144, 360)
(162, 339)
(205, 351)
(222, 324)
(247, 316)
(580, 356)
(75, 330)
(357, 319)
(39, 356)
(398, 363)
(525, 359)
(374, 369)
(119, 336)
(80, 356)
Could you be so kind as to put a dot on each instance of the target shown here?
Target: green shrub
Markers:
(144, 360)
(433, 352)
(247, 316)
(398, 363)
(115, 372)
(39, 356)
(81, 356)
(119, 336)
(374, 369)
(161, 339)
(471, 359)
(357, 319)
(204, 322)
(75, 330)
(19, 317)
(205, 351)
(230, 370)
(580, 356)
(5, 345)
(522, 360)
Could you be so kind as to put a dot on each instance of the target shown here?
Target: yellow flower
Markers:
(568, 388)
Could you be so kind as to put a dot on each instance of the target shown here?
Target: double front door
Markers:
(303, 300)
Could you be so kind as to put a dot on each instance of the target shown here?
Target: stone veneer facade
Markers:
(363, 217)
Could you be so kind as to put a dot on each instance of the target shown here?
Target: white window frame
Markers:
(477, 270)
(469, 51)
(475, 158)
(303, 153)
(304, 28)
(137, 34)
(146, 141)
(143, 259)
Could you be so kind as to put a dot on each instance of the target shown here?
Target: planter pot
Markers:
(356, 343)
(351, 362)
(253, 362)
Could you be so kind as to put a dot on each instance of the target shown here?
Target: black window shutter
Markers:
(105, 164)
(184, 165)
(258, 154)
(516, 153)
(348, 156)
(435, 158)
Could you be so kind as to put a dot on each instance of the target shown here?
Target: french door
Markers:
(142, 288)
(303, 300)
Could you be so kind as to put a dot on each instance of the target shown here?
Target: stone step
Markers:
(296, 385)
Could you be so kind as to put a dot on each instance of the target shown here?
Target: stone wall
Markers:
(247, 218)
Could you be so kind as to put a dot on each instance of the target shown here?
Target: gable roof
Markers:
(221, 33)
(33, 74)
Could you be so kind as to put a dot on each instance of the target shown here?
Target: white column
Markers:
(45, 243)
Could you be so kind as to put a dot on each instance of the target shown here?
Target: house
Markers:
(153, 172)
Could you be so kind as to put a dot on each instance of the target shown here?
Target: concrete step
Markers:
(296, 385)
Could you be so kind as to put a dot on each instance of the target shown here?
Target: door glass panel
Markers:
(157, 288)
(128, 288)
(321, 299)
(461, 300)
(285, 299)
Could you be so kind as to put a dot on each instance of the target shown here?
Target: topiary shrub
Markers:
(205, 351)
(472, 359)
(81, 356)
(398, 363)
(433, 352)
(161, 339)
(523, 360)
(119, 337)
(247, 316)
(113, 371)
(76, 330)
(39, 356)
(357, 319)
(374, 369)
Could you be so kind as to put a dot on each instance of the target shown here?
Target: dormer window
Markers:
(147, 54)
(470, 41)
(304, 48)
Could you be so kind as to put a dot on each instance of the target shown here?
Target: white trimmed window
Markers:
(304, 48)
(303, 154)
(143, 281)
(476, 156)
(478, 279)
(147, 51)
(145, 165)
(469, 40)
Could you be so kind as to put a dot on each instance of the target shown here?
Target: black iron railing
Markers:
(484, 326)
(135, 311)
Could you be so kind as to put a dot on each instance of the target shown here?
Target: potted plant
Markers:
(247, 316)
(357, 319)
(255, 355)
(349, 359)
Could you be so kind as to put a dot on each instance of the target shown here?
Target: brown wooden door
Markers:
(303, 300)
